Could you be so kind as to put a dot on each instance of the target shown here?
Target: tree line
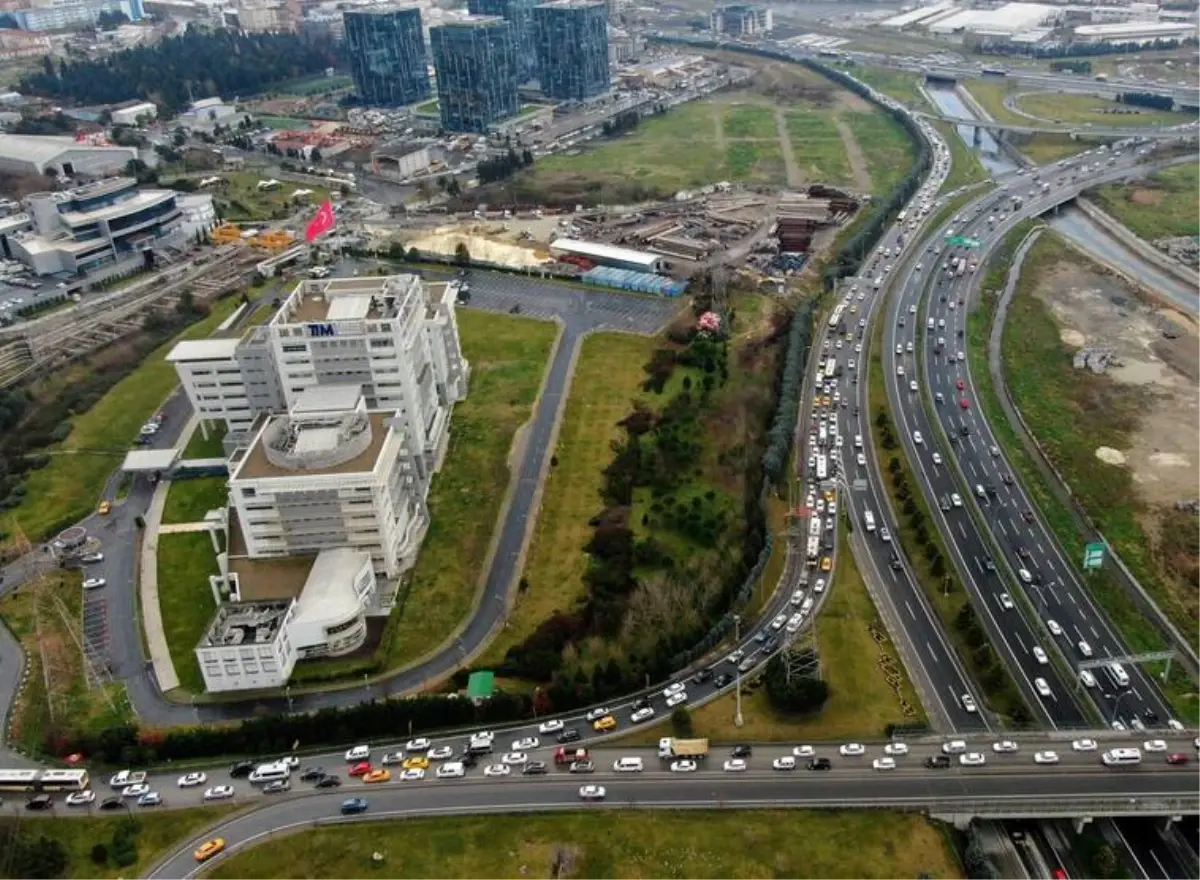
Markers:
(1147, 99)
(1072, 49)
(177, 70)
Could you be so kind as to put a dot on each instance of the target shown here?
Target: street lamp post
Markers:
(1117, 705)
(738, 720)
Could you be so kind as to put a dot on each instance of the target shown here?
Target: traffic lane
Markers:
(897, 788)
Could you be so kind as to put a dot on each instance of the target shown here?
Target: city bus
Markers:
(822, 467)
(830, 367)
(44, 780)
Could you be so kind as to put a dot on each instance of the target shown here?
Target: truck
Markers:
(563, 755)
(673, 747)
(962, 267)
(127, 777)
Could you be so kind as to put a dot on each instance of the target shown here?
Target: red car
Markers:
(964, 403)
(1178, 758)
(1058, 874)
(362, 768)
(960, 384)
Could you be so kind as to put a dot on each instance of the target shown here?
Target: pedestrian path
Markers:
(160, 653)
(177, 528)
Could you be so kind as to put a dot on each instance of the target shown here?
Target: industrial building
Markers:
(130, 114)
(61, 156)
(1135, 31)
(609, 255)
(386, 49)
(571, 37)
(476, 65)
(519, 14)
(741, 20)
(1003, 21)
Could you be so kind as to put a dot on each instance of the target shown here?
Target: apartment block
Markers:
(571, 39)
(519, 14)
(477, 75)
(386, 48)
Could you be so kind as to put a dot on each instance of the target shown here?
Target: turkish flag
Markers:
(320, 224)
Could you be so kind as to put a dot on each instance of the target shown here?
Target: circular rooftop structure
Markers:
(72, 538)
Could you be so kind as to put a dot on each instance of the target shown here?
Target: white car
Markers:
(1087, 678)
(550, 726)
(219, 793)
(80, 798)
(937, 458)
(441, 753)
(912, 385)
(968, 703)
(359, 753)
(1154, 745)
(1118, 725)
(884, 763)
(1005, 747)
(1084, 648)
(735, 765)
(785, 763)
(797, 598)
(137, 790)
(675, 699)
(597, 714)
(519, 745)
(1039, 655)
(895, 748)
(515, 758)
(1006, 602)
(781, 619)
(851, 750)
(900, 370)
(415, 774)
(674, 688)
(1024, 575)
(917, 438)
(804, 751)
(94, 583)
(684, 766)
(497, 770)
(451, 770)
(1053, 626)
(420, 744)
(642, 715)
(592, 793)
(955, 499)
(972, 759)
(884, 534)
(192, 779)
(1136, 723)
(1046, 757)
(392, 758)
(1174, 725)
(1042, 687)
(860, 459)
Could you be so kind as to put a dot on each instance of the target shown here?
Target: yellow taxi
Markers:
(380, 775)
(104, 507)
(605, 723)
(416, 763)
(209, 849)
(826, 563)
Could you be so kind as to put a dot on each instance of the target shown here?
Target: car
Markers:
(150, 799)
(592, 792)
(965, 404)
(804, 751)
(94, 583)
(960, 384)
(570, 735)
(362, 768)
(734, 765)
(1118, 725)
(820, 764)
(524, 744)
(552, 726)
(900, 370)
(582, 767)
(208, 849)
(441, 753)
(608, 722)
(1084, 745)
(955, 499)
(354, 805)
(1042, 688)
(968, 703)
(91, 558)
(702, 676)
(641, 715)
(380, 775)
(937, 458)
(1154, 745)
(1040, 655)
(742, 750)
(1174, 725)
(1054, 627)
(884, 534)
(190, 779)
(417, 762)
(884, 763)
(851, 750)
(1006, 602)
(938, 762)
(358, 753)
(1005, 747)
(972, 759)
(451, 770)
(1086, 678)
(912, 385)
(291, 761)
(1046, 757)
(722, 679)
(219, 793)
(514, 758)
(312, 774)
(391, 758)
(1085, 649)
(785, 763)
(535, 768)
(673, 688)
(1136, 724)
(421, 744)
(133, 791)
(684, 766)
(282, 785)
(497, 770)
(241, 769)
(104, 508)
(1178, 758)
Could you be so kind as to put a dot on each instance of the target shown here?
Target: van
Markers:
(979, 491)
(954, 747)
(451, 770)
(627, 765)
(1118, 674)
(270, 773)
(858, 441)
(1121, 757)
(929, 324)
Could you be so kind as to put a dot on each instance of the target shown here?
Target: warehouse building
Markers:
(571, 37)
(63, 156)
(477, 77)
(609, 255)
(519, 15)
(386, 48)
(1133, 32)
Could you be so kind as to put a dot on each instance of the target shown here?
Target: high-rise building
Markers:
(476, 64)
(741, 20)
(519, 14)
(386, 47)
(571, 37)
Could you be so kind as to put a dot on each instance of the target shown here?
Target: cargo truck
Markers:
(564, 755)
(673, 747)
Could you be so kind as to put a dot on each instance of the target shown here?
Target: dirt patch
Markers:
(854, 154)
(1157, 350)
(1146, 197)
(719, 128)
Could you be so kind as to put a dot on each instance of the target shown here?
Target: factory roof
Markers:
(915, 15)
(602, 251)
(1133, 28)
(1009, 18)
(34, 148)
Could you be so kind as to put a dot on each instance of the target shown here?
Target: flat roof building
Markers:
(386, 49)
(476, 65)
(610, 255)
(741, 20)
(519, 14)
(571, 39)
(64, 156)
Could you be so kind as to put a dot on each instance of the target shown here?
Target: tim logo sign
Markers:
(321, 330)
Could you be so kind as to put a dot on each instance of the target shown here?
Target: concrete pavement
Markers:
(152, 622)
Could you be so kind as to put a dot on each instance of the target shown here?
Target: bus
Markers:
(19, 780)
(869, 520)
(63, 780)
(836, 316)
(830, 367)
(822, 467)
(814, 549)
(902, 216)
(814, 527)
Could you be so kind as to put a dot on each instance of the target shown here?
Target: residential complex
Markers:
(73, 13)
(386, 48)
(571, 37)
(519, 14)
(741, 20)
(476, 65)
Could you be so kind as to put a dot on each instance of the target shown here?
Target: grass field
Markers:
(508, 357)
(1040, 148)
(885, 145)
(283, 123)
(316, 85)
(200, 447)
(1068, 108)
(1164, 204)
(57, 696)
(614, 844)
(185, 561)
(68, 488)
(240, 200)
(903, 87)
(965, 168)
(818, 147)
(157, 833)
(608, 372)
(189, 500)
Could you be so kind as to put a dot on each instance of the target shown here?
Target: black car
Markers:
(702, 676)
(111, 803)
(241, 769)
(469, 759)
(761, 636)
(770, 646)
(938, 762)
(641, 703)
(895, 563)
(570, 735)
(39, 802)
(988, 563)
(535, 768)
(312, 774)
(1006, 479)
(740, 751)
(722, 679)
(328, 782)
(820, 764)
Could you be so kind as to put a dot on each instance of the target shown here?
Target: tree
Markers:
(462, 256)
(38, 857)
(795, 692)
(681, 722)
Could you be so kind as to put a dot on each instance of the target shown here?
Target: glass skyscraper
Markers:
(386, 46)
(519, 14)
(571, 38)
(476, 65)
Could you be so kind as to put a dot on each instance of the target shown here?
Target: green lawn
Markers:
(753, 121)
(185, 599)
(903, 87)
(157, 834)
(210, 447)
(189, 500)
(317, 85)
(887, 146)
(615, 844)
(240, 200)
(608, 372)
(1068, 108)
(818, 147)
(965, 167)
(68, 488)
(1164, 204)
(508, 357)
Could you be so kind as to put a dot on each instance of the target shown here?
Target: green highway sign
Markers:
(962, 241)
(1093, 556)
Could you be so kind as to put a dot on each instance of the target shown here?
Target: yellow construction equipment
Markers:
(274, 241)
(226, 233)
